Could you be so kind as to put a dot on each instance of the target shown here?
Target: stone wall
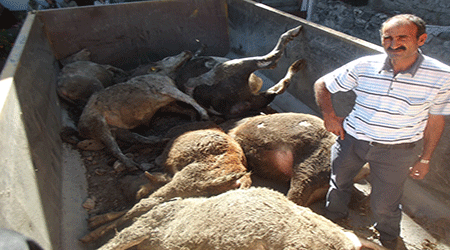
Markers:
(436, 12)
(364, 22)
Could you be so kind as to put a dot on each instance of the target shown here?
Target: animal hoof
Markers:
(148, 166)
(295, 31)
(128, 164)
(119, 167)
(69, 135)
(205, 117)
(90, 145)
(297, 66)
(290, 34)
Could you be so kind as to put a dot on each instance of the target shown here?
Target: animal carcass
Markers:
(79, 79)
(229, 87)
(124, 106)
(247, 219)
(288, 148)
(204, 162)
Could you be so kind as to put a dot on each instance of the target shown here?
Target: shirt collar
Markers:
(411, 70)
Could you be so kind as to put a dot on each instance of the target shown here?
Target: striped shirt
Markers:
(390, 108)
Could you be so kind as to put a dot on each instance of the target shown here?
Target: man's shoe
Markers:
(395, 244)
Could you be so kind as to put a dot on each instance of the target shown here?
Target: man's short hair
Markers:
(419, 22)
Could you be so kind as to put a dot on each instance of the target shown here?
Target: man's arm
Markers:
(432, 134)
(333, 123)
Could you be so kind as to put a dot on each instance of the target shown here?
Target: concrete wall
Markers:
(30, 147)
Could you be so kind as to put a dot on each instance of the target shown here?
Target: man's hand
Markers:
(432, 134)
(419, 170)
(334, 125)
(332, 122)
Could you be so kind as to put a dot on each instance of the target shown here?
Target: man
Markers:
(401, 99)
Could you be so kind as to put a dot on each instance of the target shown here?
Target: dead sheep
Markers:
(78, 80)
(255, 218)
(204, 162)
(290, 148)
(229, 87)
(117, 109)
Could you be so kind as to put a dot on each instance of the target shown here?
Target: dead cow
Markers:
(127, 105)
(204, 162)
(78, 80)
(229, 87)
(248, 219)
(288, 147)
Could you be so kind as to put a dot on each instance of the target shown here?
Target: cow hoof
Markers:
(297, 66)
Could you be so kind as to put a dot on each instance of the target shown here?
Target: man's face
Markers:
(400, 41)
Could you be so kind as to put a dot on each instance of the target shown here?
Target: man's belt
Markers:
(393, 146)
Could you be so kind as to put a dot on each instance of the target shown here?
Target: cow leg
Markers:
(262, 99)
(268, 61)
(175, 93)
(109, 141)
(95, 126)
(243, 67)
(284, 83)
(131, 137)
(285, 38)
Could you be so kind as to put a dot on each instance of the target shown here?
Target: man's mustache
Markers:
(397, 49)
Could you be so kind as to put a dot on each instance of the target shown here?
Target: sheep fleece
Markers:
(255, 218)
